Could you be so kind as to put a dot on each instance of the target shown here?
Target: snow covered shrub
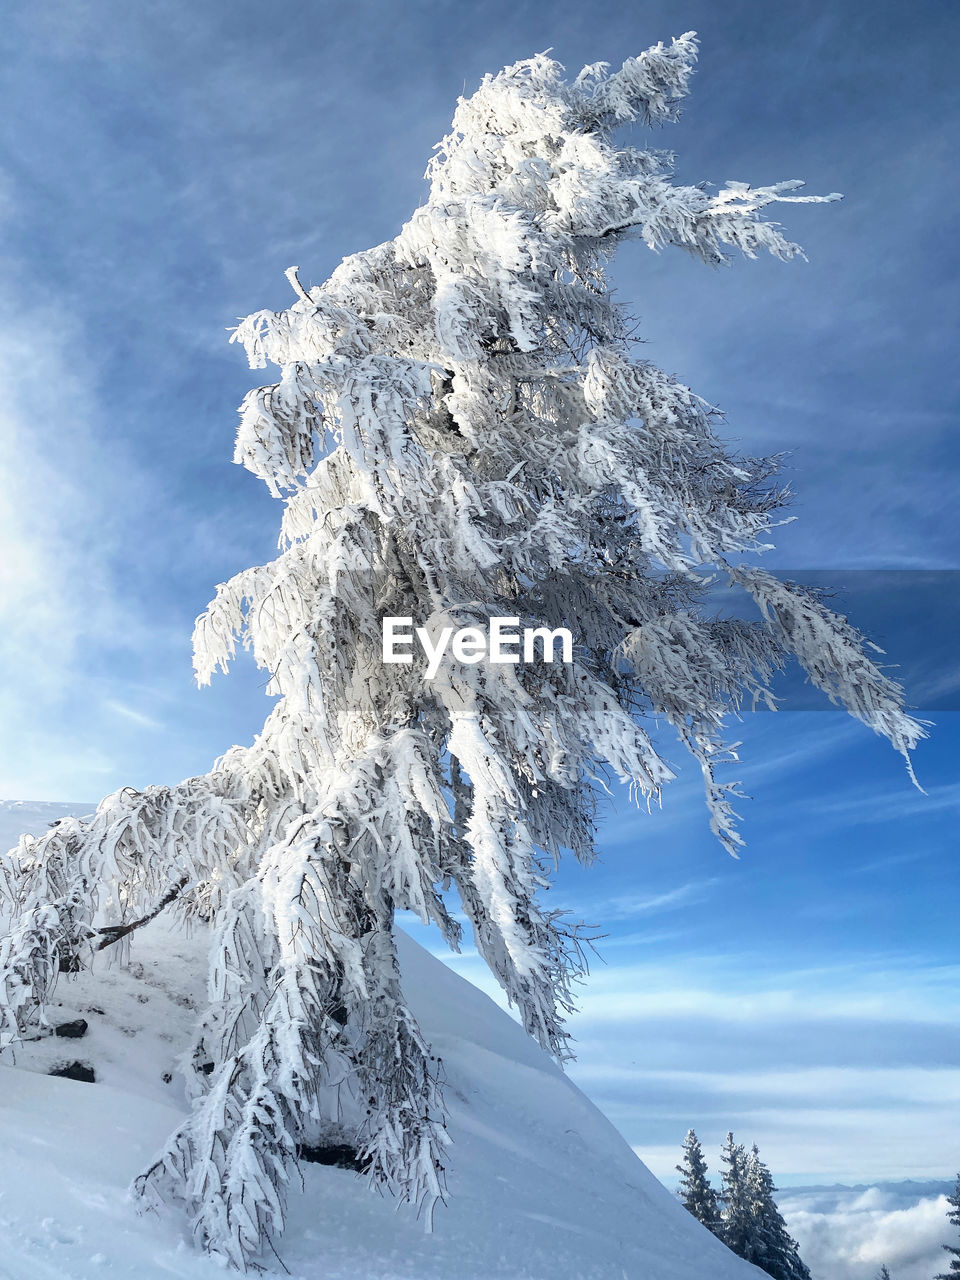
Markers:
(459, 430)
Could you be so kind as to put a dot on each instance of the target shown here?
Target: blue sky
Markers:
(160, 167)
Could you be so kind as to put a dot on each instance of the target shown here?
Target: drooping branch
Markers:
(112, 933)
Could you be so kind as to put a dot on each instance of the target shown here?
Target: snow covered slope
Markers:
(542, 1186)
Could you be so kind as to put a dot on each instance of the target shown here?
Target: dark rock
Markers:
(74, 1071)
(339, 1154)
(72, 1030)
(207, 1068)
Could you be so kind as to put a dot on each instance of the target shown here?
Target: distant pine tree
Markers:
(883, 1273)
(953, 1215)
(695, 1191)
(770, 1246)
(736, 1217)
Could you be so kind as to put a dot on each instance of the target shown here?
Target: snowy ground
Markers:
(542, 1186)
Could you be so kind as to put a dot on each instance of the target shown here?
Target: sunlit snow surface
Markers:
(541, 1185)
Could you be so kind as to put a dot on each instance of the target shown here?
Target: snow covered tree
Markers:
(751, 1225)
(884, 1273)
(736, 1202)
(953, 1215)
(695, 1191)
(770, 1246)
(459, 430)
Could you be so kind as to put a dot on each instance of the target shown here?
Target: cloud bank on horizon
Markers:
(848, 1233)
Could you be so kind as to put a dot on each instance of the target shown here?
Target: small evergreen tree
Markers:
(884, 1273)
(770, 1247)
(953, 1215)
(736, 1217)
(695, 1191)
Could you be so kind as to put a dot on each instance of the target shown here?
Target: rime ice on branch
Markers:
(459, 430)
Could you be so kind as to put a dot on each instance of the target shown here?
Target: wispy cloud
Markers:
(807, 1089)
(130, 713)
(869, 806)
(628, 906)
(51, 590)
(733, 987)
(59, 607)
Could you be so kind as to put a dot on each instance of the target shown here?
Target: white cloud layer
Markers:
(848, 1233)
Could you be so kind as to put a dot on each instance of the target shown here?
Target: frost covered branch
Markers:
(113, 933)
